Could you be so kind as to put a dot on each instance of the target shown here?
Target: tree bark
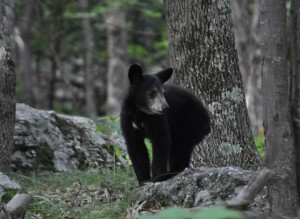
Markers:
(280, 149)
(90, 107)
(7, 95)
(205, 61)
(247, 40)
(117, 63)
(295, 53)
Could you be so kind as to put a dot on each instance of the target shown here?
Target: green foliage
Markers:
(260, 142)
(8, 195)
(170, 213)
(56, 31)
(106, 127)
(108, 124)
(216, 212)
(137, 51)
(149, 147)
(151, 13)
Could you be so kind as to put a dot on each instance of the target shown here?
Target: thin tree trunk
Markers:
(295, 50)
(90, 107)
(54, 50)
(205, 61)
(26, 53)
(280, 148)
(7, 95)
(117, 63)
(247, 39)
(52, 82)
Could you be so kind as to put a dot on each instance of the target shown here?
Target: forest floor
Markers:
(95, 193)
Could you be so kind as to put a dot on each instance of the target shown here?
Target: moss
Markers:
(44, 155)
(228, 149)
(236, 95)
(63, 125)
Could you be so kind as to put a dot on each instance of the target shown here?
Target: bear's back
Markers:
(187, 115)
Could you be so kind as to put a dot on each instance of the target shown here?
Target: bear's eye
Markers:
(152, 93)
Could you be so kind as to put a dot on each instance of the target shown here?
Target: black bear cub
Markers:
(172, 118)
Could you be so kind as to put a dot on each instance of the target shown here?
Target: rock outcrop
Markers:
(46, 140)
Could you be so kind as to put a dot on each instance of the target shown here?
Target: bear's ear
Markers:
(165, 75)
(135, 73)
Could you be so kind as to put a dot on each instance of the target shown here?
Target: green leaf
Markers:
(170, 213)
(152, 14)
(101, 128)
(137, 50)
(117, 152)
(217, 212)
(128, 160)
(149, 147)
(113, 118)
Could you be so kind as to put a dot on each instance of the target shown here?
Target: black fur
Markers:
(173, 133)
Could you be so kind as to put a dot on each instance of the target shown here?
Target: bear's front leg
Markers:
(157, 130)
(136, 149)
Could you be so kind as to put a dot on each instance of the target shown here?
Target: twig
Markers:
(248, 193)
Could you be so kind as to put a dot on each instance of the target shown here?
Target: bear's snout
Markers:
(165, 108)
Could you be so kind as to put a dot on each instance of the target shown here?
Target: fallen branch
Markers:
(16, 207)
(249, 192)
(247, 195)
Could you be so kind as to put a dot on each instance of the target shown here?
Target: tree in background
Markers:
(280, 148)
(245, 15)
(118, 59)
(59, 52)
(89, 54)
(25, 52)
(206, 63)
(7, 94)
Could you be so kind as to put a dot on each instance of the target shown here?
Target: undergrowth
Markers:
(94, 194)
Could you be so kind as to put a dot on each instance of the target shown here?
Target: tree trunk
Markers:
(52, 83)
(205, 61)
(90, 107)
(247, 40)
(117, 63)
(7, 95)
(26, 53)
(295, 50)
(280, 149)
(54, 37)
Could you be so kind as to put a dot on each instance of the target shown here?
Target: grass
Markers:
(94, 194)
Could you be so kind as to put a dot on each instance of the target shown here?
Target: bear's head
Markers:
(147, 90)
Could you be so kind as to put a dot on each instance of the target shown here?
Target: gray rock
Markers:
(201, 187)
(46, 140)
(6, 184)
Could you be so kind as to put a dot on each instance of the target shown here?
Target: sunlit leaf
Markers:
(118, 153)
(170, 213)
(217, 212)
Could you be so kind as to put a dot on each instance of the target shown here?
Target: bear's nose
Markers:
(165, 107)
